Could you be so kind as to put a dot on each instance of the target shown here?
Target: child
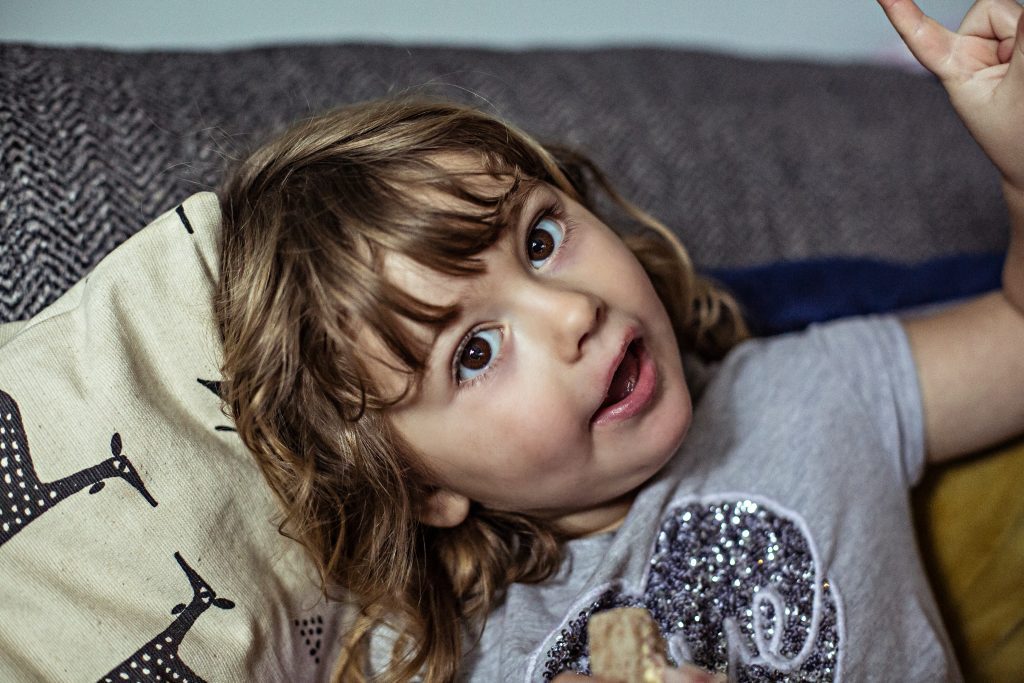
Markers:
(469, 394)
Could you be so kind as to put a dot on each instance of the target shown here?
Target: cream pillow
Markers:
(137, 536)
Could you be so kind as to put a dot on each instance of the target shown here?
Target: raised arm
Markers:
(970, 358)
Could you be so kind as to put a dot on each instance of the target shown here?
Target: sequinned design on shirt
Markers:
(733, 586)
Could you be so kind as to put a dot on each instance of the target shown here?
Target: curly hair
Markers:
(307, 220)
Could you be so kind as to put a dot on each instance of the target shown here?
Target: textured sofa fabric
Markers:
(750, 161)
(754, 163)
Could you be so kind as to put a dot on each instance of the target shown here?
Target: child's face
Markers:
(560, 389)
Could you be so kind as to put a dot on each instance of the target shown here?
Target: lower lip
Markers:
(635, 403)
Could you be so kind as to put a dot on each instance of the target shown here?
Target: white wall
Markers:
(830, 29)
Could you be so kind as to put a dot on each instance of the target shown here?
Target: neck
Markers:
(597, 520)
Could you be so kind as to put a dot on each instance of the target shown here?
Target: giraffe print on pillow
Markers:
(215, 386)
(24, 498)
(158, 659)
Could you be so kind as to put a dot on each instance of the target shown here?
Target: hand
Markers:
(981, 66)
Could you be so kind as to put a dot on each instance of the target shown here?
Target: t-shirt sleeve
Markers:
(873, 357)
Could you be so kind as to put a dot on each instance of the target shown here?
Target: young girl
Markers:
(469, 393)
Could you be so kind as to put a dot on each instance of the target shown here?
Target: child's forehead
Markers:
(493, 195)
(473, 173)
(423, 282)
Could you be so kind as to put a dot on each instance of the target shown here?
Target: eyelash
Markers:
(556, 212)
(553, 210)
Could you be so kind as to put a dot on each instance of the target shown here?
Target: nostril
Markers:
(596, 318)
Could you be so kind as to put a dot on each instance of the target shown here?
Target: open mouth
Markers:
(625, 377)
(631, 387)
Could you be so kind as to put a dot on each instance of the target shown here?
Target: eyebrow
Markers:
(511, 206)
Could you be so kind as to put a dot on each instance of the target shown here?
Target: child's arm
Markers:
(970, 358)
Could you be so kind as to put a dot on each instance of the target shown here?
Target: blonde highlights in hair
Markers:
(307, 222)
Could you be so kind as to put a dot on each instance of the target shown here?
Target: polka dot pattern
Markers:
(24, 498)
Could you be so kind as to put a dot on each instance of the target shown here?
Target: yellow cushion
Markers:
(971, 526)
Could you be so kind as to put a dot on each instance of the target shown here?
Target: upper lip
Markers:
(628, 338)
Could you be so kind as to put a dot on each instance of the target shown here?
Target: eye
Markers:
(477, 354)
(544, 239)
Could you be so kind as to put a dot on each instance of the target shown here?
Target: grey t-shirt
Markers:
(777, 543)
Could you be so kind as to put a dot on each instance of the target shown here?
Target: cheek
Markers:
(678, 423)
(532, 430)
(506, 436)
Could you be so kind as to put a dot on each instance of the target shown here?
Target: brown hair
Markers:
(307, 221)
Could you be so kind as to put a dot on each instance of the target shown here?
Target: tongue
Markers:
(624, 380)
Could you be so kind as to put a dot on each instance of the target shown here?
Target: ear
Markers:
(444, 508)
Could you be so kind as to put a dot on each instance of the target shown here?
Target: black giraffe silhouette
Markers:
(214, 386)
(23, 498)
(158, 659)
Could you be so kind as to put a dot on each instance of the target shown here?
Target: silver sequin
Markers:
(733, 586)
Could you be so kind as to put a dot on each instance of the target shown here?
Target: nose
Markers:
(564, 316)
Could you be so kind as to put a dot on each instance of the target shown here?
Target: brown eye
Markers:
(477, 354)
(543, 240)
(541, 244)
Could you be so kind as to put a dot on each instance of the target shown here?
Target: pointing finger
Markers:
(929, 41)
